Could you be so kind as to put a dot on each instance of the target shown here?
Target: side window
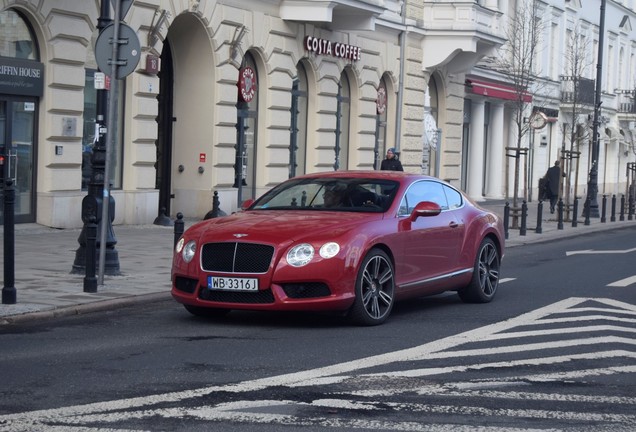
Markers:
(453, 197)
(423, 191)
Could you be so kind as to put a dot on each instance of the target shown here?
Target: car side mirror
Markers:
(247, 203)
(425, 209)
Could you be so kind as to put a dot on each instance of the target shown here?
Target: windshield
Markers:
(341, 194)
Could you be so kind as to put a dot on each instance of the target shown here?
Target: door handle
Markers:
(453, 224)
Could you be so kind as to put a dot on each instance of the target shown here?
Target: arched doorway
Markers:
(165, 117)
(19, 62)
(185, 121)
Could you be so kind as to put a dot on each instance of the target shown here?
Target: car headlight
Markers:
(300, 255)
(188, 251)
(329, 250)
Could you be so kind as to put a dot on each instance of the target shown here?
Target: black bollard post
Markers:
(613, 217)
(586, 212)
(9, 295)
(178, 228)
(506, 218)
(630, 214)
(524, 212)
(575, 221)
(604, 209)
(560, 214)
(539, 228)
(622, 212)
(216, 210)
(90, 281)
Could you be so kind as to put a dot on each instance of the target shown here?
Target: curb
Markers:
(86, 308)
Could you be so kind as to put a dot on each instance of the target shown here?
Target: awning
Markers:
(498, 91)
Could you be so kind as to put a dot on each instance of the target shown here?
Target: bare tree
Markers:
(516, 61)
(579, 92)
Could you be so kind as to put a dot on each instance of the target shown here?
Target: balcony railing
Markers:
(577, 89)
(626, 101)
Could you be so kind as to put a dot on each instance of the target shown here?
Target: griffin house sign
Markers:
(21, 77)
(337, 49)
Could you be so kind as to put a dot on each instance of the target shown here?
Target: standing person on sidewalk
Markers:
(391, 163)
(552, 183)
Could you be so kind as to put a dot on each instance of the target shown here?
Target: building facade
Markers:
(231, 97)
(558, 110)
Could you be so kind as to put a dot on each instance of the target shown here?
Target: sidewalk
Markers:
(44, 258)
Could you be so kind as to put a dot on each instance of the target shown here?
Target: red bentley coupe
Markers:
(349, 241)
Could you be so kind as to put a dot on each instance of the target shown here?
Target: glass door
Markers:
(17, 145)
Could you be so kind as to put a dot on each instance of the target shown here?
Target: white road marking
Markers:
(599, 252)
(110, 412)
(623, 282)
(504, 280)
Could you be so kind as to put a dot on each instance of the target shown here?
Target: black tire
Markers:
(375, 288)
(206, 312)
(483, 285)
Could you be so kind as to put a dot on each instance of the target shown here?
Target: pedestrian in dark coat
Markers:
(391, 163)
(552, 183)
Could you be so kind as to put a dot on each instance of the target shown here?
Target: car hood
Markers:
(279, 226)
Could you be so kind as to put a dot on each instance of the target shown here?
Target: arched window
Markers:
(298, 135)
(16, 37)
(430, 156)
(380, 124)
(247, 119)
(343, 118)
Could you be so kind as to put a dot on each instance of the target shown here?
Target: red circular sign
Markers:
(247, 83)
(381, 100)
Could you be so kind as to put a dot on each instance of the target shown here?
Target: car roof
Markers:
(385, 175)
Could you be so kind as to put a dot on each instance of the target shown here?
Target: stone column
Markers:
(495, 173)
(476, 151)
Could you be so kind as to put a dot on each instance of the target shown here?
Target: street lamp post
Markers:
(591, 204)
(96, 184)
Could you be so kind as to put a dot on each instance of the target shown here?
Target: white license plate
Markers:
(232, 283)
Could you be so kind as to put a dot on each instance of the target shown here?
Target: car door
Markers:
(429, 243)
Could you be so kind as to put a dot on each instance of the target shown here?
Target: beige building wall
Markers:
(206, 91)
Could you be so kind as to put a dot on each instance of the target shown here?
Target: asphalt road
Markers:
(556, 350)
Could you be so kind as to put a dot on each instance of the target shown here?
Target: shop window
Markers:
(89, 136)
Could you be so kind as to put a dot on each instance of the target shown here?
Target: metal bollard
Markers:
(630, 215)
(604, 209)
(613, 217)
(586, 211)
(216, 209)
(178, 228)
(560, 214)
(506, 218)
(622, 213)
(539, 228)
(575, 221)
(90, 281)
(524, 212)
(9, 295)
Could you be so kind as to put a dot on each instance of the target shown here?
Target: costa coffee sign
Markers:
(337, 49)
(247, 83)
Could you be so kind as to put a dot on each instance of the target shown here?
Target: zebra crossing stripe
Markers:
(623, 282)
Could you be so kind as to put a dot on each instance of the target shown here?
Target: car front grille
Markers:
(255, 297)
(234, 257)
